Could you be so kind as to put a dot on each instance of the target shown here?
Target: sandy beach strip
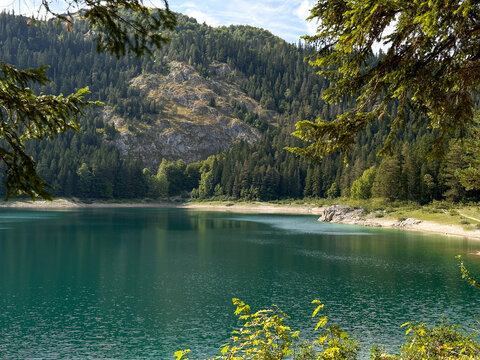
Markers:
(240, 208)
(259, 209)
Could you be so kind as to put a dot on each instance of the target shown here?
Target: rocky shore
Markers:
(343, 214)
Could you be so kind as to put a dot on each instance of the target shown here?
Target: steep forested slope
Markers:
(236, 88)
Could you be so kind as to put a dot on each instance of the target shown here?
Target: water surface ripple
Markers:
(142, 283)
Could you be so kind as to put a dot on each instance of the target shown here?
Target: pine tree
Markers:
(387, 180)
(455, 191)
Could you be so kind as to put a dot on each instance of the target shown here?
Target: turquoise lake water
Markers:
(142, 283)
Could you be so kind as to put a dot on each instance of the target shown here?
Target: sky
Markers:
(284, 18)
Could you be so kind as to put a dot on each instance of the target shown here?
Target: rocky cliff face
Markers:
(196, 118)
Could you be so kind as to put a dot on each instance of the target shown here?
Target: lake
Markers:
(142, 283)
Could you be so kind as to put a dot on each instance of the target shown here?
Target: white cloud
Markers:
(202, 17)
(303, 12)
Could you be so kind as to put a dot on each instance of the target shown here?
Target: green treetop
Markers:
(431, 66)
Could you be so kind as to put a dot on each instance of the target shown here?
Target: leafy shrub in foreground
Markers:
(264, 336)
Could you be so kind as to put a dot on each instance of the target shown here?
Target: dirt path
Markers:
(469, 217)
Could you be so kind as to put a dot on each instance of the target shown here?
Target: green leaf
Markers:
(317, 309)
(180, 354)
(322, 321)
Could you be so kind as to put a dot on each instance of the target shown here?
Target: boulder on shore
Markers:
(407, 223)
(342, 214)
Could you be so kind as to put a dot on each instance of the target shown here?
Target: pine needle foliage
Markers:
(24, 115)
(430, 66)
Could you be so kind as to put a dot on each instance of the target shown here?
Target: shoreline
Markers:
(264, 208)
(415, 225)
(422, 226)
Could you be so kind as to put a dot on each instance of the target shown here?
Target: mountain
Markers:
(192, 99)
(211, 111)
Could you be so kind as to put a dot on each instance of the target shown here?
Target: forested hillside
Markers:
(240, 85)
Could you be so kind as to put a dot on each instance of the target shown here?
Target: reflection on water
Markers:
(142, 283)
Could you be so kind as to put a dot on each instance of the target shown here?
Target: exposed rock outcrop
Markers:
(343, 214)
(190, 126)
(406, 223)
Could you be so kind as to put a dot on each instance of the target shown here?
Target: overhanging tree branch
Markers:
(24, 115)
(431, 66)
